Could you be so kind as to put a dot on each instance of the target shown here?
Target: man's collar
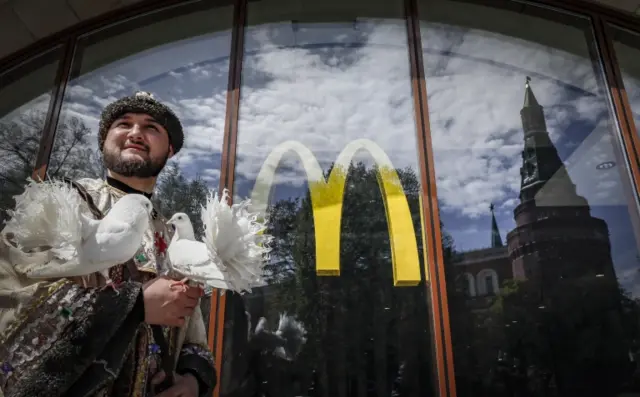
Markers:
(125, 188)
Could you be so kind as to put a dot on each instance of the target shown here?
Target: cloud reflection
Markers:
(327, 84)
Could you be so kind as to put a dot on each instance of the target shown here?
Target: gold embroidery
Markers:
(140, 385)
(45, 321)
(173, 333)
(24, 314)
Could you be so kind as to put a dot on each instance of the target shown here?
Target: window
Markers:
(25, 93)
(520, 117)
(181, 56)
(468, 283)
(488, 282)
(326, 94)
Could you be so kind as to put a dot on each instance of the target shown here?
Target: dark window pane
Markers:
(326, 94)
(488, 281)
(523, 134)
(25, 93)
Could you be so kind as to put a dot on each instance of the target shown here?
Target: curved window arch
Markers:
(487, 282)
(467, 283)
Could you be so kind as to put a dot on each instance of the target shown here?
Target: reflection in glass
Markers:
(25, 93)
(325, 100)
(627, 47)
(521, 126)
(184, 63)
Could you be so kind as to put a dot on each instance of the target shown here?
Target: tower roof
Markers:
(529, 99)
(496, 240)
(542, 170)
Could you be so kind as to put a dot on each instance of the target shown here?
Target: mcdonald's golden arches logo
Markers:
(326, 200)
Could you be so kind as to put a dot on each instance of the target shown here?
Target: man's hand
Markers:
(185, 385)
(167, 306)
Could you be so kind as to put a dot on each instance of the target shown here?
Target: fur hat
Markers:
(142, 102)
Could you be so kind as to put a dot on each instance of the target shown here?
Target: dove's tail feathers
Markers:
(237, 240)
(214, 209)
(293, 332)
(47, 214)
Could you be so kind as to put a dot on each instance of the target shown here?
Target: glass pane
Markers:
(25, 93)
(181, 57)
(627, 47)
(533, 193)
(326, 93)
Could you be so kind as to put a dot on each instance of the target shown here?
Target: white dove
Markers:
(232, 252)
(190, 258)
(48, 214)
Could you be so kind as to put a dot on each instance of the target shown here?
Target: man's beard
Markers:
(138, 168)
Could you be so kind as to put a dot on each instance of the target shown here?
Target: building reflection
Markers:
(540, 314)
(544, 314)
(365, 337)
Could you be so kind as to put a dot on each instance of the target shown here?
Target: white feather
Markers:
(48, 217)
(232, 252)
(238, 240)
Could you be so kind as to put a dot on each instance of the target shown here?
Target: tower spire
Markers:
(496, 240)
(529, 99)
(540, 159)
(541, 164)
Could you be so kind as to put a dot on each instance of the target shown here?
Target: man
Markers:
(77, 338)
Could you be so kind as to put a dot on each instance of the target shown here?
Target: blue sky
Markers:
(325, 85)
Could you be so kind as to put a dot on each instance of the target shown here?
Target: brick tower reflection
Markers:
(555, 236)
(563, 256)
(557, 324)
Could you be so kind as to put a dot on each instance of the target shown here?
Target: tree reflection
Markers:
(580, 341)
(20, 139)
(176, 193)
(365, 337)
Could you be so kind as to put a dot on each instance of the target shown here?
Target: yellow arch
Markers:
(326, 201)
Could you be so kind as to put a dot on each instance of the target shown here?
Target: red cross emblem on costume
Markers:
(160, 244)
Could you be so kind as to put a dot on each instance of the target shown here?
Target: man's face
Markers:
(136, 146)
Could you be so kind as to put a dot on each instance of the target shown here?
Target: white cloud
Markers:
(326, 86)
(475, 97)
(325, 100)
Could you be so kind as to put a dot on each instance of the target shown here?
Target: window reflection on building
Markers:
(316, 79)
(179, 55)
(521, 126)
(25, 93)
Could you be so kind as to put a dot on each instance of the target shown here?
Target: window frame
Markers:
(601, 19)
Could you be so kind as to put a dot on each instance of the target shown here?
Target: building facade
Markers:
(452, 184)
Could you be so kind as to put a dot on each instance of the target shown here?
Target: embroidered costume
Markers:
(76, 340)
